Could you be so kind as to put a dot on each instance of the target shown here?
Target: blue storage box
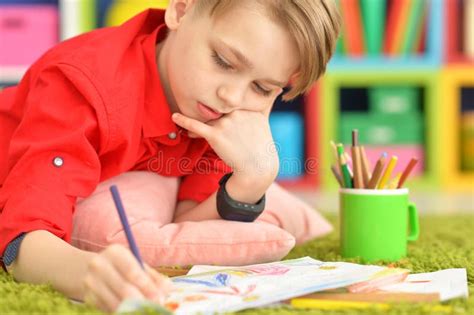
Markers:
(288, 134)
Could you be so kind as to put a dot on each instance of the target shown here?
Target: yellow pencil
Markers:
(344, 304)
(334, 150)
(388, 172)
(336, 156)
(334, 304)
(394, 182)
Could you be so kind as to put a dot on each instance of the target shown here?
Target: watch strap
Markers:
(233, 210)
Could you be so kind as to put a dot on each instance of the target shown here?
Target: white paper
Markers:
(215, 289)
(448, 283)
(235, 288)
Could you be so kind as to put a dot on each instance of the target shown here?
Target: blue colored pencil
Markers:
(126, 226)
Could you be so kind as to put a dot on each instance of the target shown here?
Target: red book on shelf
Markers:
(420, 43)
(396, 22)
(452, 29)
(353, 31)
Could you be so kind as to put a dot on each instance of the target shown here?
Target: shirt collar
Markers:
(157, 115)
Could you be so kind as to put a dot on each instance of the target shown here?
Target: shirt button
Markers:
(58, 161)
(172, 135)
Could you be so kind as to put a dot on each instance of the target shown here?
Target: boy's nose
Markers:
(232, 96)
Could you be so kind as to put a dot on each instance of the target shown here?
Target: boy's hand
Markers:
(114, 275)
(243, 140)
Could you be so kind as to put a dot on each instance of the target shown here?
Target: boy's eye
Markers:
(261, 90)
(220, 62)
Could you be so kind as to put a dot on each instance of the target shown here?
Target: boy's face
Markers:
(238, 61)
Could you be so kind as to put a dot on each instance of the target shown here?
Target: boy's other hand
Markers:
(242, 139)
(114, 275)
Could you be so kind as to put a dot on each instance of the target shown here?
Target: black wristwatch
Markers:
(230, 209)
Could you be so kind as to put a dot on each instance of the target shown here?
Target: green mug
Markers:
(376, 224)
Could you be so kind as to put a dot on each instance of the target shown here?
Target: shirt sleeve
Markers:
(52, 158)
(11, 252)
(204, 180)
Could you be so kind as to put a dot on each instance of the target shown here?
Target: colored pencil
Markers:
(345, 169)
(349, 161)
(407, 171)
(334, 305)
(356, 160)
(365, 167)
(392, 184)
(336, 156)
(125, 225)
(378, 296)
(300, 303)
(377, 171)
(335, 171)
(334, 149)
(388, 172)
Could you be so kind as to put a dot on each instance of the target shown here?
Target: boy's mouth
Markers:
(208, 112)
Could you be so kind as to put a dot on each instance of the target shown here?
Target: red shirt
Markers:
(91, 108)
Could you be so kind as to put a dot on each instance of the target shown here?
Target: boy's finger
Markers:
(105, 298)
(162, 281)
(193, 135)
(113, 279)
(195, 126)
(130, 270)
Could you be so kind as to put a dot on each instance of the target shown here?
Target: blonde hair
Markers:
(314, 25)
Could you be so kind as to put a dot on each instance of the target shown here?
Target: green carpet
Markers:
(445, 242)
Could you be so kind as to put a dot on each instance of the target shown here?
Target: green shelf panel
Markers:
(394, 99)
(382, 129)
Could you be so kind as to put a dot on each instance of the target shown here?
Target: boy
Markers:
(197, 82)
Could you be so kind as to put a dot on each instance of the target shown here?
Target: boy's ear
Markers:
(175, 12)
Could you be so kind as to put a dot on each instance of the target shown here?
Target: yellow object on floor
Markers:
(334, 304)
(340, 304)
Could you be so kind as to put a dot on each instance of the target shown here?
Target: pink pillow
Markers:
(150, 200)
(293, 215)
